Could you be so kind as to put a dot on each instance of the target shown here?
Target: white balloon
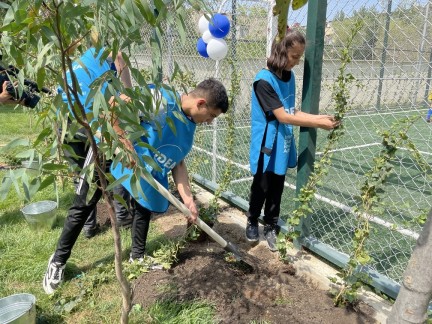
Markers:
(203, 24)
(207, 36)
(217, 49)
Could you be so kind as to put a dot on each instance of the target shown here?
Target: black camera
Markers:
(28, 98)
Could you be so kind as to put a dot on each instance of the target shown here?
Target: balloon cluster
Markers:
(211, 44)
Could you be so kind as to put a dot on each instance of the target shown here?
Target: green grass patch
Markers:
(90, 293)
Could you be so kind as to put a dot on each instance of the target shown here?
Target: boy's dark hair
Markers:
(279, 52)
(214, 92)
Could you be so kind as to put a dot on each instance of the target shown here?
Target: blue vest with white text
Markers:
(171, 148)
(278, 148)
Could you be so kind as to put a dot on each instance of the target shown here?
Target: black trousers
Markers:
(266, 189)
(78, 146)
(80, 149)
(78, 214)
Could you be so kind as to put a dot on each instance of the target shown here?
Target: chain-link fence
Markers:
(392, 63)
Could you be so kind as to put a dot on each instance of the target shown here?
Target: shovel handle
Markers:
(180, 206)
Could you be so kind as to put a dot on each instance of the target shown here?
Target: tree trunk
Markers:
(416, 290)
(124, 284)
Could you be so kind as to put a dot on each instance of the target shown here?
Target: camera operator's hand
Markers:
(6, 97)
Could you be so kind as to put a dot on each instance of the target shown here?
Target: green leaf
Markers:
(15, 143)
(5, 187)
(117, 182)
(136, 186)
(40, 77)
(43, 135)
(54, 167)
(171, 125)
(26, 154)
(146, 11)
(92, 189)
(47, 181)
(181, 29)
(150, 161)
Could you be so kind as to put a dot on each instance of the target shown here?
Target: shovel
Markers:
(226, 245)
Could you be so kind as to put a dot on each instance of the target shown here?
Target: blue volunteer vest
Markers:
(85, 76)
(172, 148)
(279, 149)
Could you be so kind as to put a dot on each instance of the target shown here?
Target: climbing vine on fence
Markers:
(370, 196)
(341, 97)
(229, 139)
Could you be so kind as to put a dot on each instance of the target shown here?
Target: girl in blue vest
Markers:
(272, 146)
(206, 102)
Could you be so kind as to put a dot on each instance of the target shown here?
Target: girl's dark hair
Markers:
(279, 52)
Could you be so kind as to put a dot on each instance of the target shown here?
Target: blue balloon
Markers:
(202, 47)
(219, 26)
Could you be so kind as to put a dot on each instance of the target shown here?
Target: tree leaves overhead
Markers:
(297, 4)
(281, 9)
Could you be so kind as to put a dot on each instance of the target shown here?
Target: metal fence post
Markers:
(384, 54)
(310, 95)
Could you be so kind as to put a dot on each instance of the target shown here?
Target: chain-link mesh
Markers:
(392, 66)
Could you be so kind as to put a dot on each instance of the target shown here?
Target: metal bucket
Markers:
(41, 214)
(18, 309)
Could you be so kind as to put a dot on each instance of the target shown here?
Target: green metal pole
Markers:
(315, 31)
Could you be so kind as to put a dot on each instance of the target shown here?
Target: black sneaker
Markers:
(125, 223)
(270, 233)
(252, 234)
(89, 232)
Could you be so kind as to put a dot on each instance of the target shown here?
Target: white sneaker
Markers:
(53, 276)
(147, 261)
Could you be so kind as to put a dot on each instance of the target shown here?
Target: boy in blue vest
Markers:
(87, 69)
(206, 102)
(272, 146)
